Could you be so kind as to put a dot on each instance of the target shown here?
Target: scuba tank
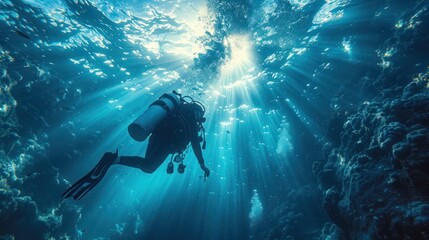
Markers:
(143, 126)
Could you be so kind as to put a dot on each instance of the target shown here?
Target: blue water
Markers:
(272, 74)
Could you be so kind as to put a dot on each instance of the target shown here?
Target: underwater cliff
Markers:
(317, 118)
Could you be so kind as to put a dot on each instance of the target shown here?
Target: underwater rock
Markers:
(390, 134)
(373, 180)
(7, 83)
(408, 221)
(335, 127)
(411, 111)
(419, 137)
(22, 198)
(8, 203)
(70, 216)
(25, 212)
(374, 177)
(331, 231)
(411, 89)
(327, 178)
(331, 200)
(401, 150)
(291, 220)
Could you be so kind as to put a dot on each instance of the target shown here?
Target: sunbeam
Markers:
(315, 119)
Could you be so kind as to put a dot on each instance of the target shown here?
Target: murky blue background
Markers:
(271, 73)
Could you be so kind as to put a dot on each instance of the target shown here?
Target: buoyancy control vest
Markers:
(158, 111)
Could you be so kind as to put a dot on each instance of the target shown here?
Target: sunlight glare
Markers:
(241, 52)
(239, 70)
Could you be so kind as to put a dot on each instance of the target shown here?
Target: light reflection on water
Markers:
(141, 51)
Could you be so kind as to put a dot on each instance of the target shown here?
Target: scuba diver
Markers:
(173, 123)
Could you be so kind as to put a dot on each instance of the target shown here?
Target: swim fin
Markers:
(91, 179)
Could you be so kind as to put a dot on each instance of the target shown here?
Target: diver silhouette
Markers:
(173, 123)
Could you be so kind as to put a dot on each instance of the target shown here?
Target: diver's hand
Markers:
(206, 170)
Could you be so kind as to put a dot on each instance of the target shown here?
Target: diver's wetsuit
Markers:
(172, 135)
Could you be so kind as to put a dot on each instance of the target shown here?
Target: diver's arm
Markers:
(199, 154)
(197, 150)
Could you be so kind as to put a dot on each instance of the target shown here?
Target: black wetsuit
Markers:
(172, 135)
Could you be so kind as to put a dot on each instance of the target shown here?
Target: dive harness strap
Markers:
(161, 104)
(172, 99)
(204, 137)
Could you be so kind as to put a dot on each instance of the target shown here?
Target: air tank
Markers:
(143, 126)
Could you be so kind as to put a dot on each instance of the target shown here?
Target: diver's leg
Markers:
(154, 161)
(158, 149)
(131, 161)
(156, 152)
(147, 165)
